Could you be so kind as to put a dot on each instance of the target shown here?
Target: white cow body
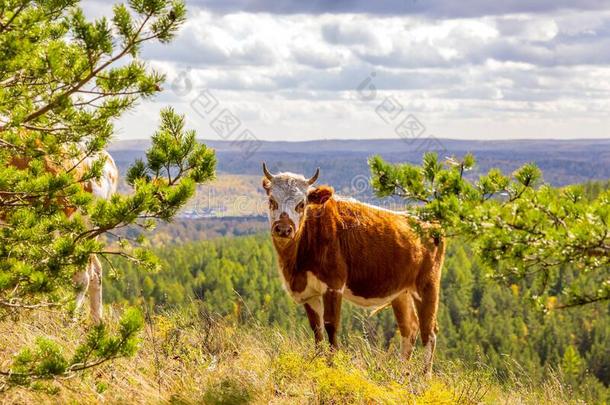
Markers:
(90, 279)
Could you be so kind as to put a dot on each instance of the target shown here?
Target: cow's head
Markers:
(287, 194)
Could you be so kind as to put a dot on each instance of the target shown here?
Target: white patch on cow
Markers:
(314, 288)
(318, 307)
(369, 302)
(106, 185)
(367, 205)
(288, 190)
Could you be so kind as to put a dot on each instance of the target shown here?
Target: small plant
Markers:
(47, 360)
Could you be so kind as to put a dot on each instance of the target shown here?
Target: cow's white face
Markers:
(287, 193)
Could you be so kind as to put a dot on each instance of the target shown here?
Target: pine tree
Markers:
(63, 82)
(531, 228)
(571, 363)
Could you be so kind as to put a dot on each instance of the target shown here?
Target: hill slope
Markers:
(194, 358)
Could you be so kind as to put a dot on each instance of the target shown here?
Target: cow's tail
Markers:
(439, 254)
(379, 309)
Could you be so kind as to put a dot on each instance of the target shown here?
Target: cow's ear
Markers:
(267, 185)
(320, 195)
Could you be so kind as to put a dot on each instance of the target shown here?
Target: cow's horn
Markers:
(315, 177)
(268, 175)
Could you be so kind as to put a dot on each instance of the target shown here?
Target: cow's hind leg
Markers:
(81, 281)
(332, 316)
(95, 289)
(427, 309)
(408, 324)
(314, 310)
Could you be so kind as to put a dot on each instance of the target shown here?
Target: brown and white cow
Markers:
(330, 248)
(89, 279)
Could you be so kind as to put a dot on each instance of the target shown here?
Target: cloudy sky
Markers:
(297, 70)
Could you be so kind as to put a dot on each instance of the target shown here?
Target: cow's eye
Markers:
(300, 207)
(272, 204)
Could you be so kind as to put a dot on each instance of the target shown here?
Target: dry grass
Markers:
(194, 358)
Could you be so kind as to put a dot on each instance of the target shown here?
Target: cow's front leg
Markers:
(95, 289)
(314, 310)
(332, 315)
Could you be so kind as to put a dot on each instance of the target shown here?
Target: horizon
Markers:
(200, 139)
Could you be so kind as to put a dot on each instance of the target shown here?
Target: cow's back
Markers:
(382, 252)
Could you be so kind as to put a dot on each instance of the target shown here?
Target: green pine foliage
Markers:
(533, 229)
(47, 360)
(64, 80)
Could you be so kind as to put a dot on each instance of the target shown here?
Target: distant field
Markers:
(229, 195)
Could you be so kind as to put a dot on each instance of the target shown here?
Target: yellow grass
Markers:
(192, 358)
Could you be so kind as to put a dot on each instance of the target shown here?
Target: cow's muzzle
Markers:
(283, 228)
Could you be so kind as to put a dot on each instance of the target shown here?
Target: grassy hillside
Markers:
(190, 357)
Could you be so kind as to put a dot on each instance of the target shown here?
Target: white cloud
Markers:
(535, 72)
